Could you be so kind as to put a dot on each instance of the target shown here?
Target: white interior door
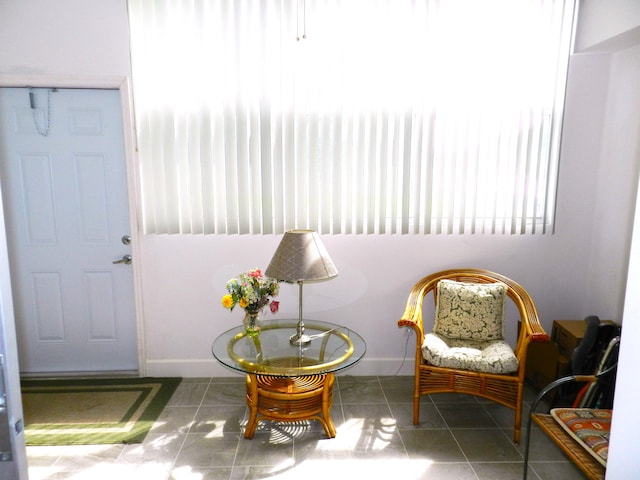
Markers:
(65, 195)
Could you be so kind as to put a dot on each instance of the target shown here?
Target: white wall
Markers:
(623, 457)
(613, 27)
(624, 132)
(577, 271)
(64, 37)
(608, 25)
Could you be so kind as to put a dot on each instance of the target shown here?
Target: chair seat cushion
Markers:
(494, 356)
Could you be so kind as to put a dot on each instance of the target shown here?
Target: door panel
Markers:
(64, 191)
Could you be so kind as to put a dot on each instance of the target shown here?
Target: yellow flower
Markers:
(243, 302)
(227, 301)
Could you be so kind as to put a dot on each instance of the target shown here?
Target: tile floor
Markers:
(199, 437)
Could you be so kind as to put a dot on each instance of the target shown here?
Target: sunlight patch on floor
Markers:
(106, 471)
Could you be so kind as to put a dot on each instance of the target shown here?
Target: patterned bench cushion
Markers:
(590, 427)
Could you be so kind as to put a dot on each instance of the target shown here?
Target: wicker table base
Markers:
(290, 399)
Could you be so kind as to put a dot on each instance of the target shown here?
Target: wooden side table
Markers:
(289, 383)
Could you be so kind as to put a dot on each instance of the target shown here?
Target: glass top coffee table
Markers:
(287, 382)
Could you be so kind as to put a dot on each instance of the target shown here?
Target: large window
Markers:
(349, 116)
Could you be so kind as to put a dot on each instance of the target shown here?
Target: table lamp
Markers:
(301, 257)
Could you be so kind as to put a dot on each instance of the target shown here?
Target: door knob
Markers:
(126, 259)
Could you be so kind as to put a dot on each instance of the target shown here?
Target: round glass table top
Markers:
(332, 348)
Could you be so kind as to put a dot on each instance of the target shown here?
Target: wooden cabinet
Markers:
(548, 361)
(567, 335)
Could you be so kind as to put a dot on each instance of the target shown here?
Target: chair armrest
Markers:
(555, 384)
(415, 326)
(568, 379)
(539, 337)
(412, 315)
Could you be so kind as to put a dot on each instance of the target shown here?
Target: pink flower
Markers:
(274, 306)
(257, 273)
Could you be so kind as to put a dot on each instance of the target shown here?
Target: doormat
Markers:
(93, 411)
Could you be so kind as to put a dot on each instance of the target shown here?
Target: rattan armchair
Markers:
(505, 389)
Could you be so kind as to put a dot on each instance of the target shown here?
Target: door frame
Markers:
(123, 84)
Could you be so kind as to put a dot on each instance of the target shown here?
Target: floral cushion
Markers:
(590, 427)
(471, 311)
(494, 356)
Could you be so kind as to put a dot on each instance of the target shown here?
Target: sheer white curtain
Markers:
(386, 116)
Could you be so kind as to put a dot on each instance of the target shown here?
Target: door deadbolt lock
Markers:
(126, 239)
(126, 259)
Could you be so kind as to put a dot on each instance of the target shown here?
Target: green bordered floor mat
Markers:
(93, 411)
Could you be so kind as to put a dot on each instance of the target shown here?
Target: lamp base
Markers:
(300, 340)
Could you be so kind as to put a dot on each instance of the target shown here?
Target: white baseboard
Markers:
(190, 368)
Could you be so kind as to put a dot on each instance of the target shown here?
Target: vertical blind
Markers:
(349, 117)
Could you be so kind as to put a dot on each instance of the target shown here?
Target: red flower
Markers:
(257, 273)
(274, 306)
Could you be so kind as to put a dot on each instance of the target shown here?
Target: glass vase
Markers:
(252, 324)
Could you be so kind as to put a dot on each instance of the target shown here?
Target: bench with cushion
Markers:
(581, 430)
(582, 434)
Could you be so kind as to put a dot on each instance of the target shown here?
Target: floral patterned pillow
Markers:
(470, 311)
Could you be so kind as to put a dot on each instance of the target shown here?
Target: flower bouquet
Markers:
(253, 292)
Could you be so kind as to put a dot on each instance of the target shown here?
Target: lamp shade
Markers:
(301, 257)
